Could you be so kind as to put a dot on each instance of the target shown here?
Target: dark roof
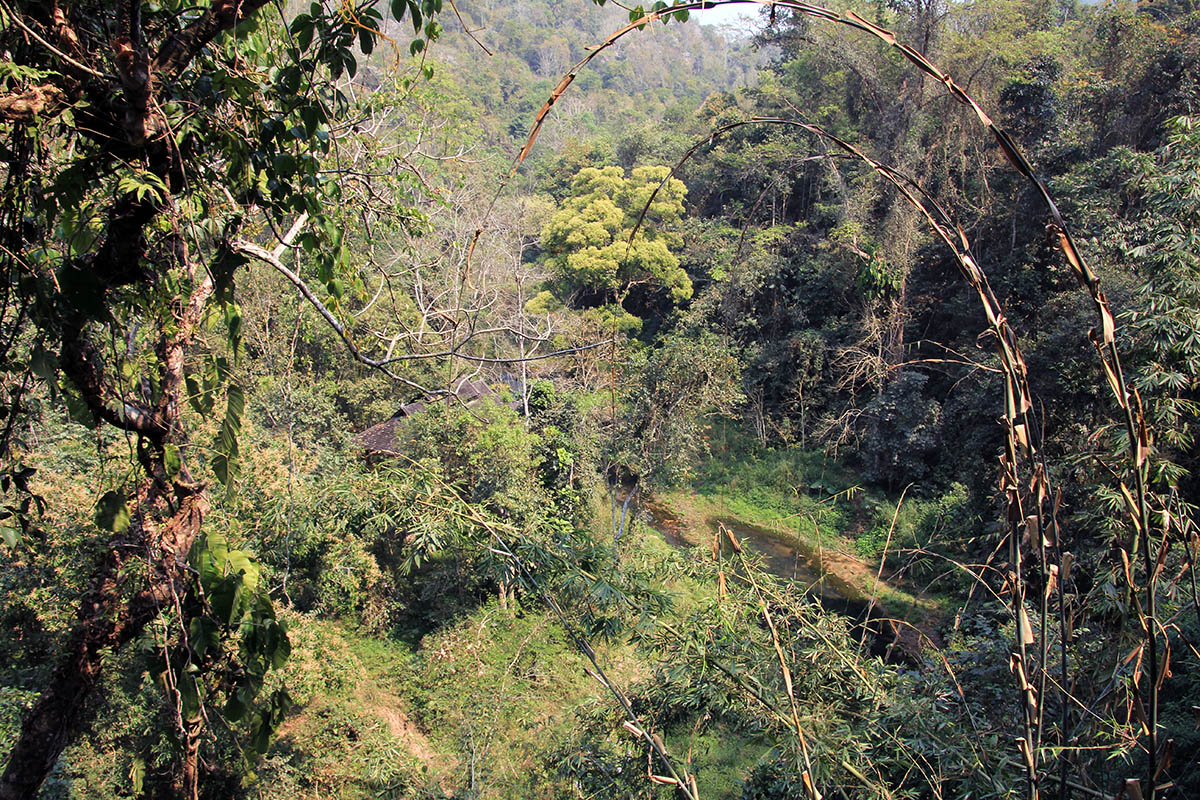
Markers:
(381, 438)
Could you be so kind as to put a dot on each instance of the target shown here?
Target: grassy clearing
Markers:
(480, 708)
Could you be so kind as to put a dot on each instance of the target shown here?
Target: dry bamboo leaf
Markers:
(993, 315)
(1131, 507)
(1161, 563)
(663, 780)
(1049, 536)
(737, 546)
(1022, 436)
(810, 788)
(1026, 754)
(1143, 435)
(1110, 374)
(1166, 752)
(1140, 651)
(1026, 631)
(1108, 324)
(1011, 151)
(1038, 483)
(1026, 400)
(1132, 789)
(1165, 671)
(881, 33)
(634, 729)
(1139, 711)
(1126, 566)
(1068, 248)
(540, 119)
(1068, 560)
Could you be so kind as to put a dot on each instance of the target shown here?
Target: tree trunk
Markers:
(193, 728)
(620, 531)
(106, 621)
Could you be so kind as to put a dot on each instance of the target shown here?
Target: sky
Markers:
(730, 14)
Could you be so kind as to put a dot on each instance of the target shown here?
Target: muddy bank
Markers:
(828, 576)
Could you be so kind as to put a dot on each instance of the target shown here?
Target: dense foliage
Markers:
(725, 521)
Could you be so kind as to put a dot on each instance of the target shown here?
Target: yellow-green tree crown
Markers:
(588, 239)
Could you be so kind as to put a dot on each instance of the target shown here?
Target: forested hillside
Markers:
(554, 399)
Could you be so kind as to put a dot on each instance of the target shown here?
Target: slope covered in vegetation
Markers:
(798, 416)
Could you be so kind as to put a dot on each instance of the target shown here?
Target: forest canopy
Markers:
(545, 398)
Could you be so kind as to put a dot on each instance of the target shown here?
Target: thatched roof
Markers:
(381, 438)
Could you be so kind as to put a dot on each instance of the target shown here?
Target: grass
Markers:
(720, 757)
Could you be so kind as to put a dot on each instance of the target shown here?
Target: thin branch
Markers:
(467, 30)
(268, 257)
(78, 65)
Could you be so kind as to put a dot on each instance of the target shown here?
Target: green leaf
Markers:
(189, 695)
(304, 33)
(201, 400)
(223, 598)
(137, 774)
(235, 404)
(172, 461)
(111, 513)
(233, 324)
(45, 366)
(10, 536)
(78, 409)
(235, 709)
(222, 469)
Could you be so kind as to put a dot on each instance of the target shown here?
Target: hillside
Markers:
(811, 414)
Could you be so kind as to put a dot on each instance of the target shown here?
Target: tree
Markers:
(141, 143)
(674, 390)
(604, 252)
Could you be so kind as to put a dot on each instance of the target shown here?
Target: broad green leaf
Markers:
(10, 535)
(172, 461)
(137, 774)
(111, 513)
(78, 409)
